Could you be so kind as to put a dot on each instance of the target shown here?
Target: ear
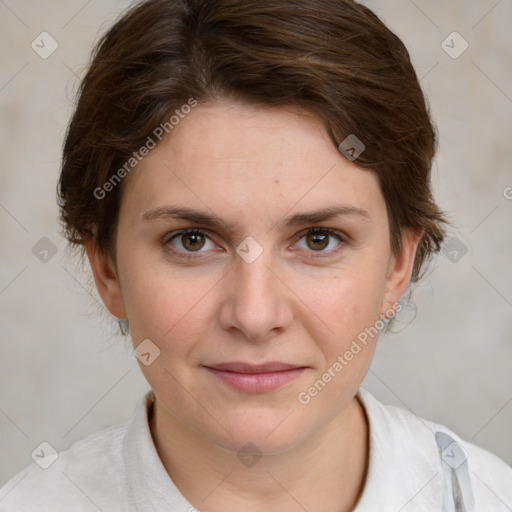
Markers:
(106, 278)
(400, 270)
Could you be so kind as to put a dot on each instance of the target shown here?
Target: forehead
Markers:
(230, 155)
(231, 130)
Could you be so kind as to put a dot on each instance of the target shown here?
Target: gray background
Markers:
(64, 373)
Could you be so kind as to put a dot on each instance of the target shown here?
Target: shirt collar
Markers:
(404, 470)
(149, 484)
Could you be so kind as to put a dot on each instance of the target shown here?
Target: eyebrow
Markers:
(213, 221)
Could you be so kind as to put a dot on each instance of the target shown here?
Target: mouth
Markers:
(256, 378)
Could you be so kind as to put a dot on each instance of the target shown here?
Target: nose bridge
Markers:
(254, 278)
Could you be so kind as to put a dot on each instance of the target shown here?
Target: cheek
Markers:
(165, 304)
(347, 302)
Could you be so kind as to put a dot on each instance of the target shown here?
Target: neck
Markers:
(327, 472)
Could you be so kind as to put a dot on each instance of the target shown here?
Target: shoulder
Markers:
(481, 476)
(491, 477)
(77, 479)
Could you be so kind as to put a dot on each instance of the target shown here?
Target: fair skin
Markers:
(253, 168)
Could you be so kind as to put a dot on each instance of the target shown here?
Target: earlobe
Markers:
(105, 278)
(400, 270)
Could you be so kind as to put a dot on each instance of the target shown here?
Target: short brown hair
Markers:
(335, 59)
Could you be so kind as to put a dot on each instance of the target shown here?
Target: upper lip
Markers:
(240, 367)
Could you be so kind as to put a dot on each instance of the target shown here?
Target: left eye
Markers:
(318, 239)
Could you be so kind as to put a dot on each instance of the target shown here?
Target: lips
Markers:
(240, 367)
(255, 377)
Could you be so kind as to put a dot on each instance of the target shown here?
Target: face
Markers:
(246, 237)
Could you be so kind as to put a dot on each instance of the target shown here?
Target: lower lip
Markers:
(257, 382)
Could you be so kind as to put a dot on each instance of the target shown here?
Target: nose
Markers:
(256, 301)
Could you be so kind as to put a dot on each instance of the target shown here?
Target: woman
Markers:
(250, 182)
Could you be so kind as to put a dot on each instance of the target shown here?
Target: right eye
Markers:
(191, 241)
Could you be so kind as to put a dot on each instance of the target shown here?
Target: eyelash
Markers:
(190, 254)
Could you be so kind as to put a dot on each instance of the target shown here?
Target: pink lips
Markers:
(255, 378)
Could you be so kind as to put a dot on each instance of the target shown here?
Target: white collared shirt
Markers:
(414, 465)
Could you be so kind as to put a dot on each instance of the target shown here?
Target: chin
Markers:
(268, 435)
